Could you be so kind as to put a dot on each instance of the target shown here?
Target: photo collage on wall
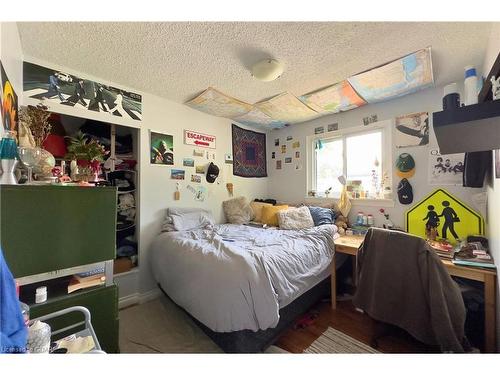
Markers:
(67, 89)
(283, 149)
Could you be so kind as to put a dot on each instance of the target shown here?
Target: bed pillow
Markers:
(295, 218)
(257, 210)
(179, 218)
(322, 216)
(269, 214)
(237, 211)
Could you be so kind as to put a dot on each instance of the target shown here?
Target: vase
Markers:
(7, 176)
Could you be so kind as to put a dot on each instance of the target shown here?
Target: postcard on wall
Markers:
(228, 159)
(278, 164)
(297, 154)
(177, 174)
(298, 167)
(161, 148)
(277, 142)
(289, 138)
(195, 178)
(296, 144)
(200, 169)
(333, 127)
(199, 153)
(288, 160)
(370, 119)
(445, 169)
(273, 155)
(283, 149)
(412, 130)
(188, 162)
(319, 130)
(201, 193)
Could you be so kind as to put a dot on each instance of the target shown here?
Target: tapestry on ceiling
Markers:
(249, 153)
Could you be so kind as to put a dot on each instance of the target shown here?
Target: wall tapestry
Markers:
(412, 130)
(440, 210)
(67, 89)
(162, 148)
(8, 103)
(249, 153)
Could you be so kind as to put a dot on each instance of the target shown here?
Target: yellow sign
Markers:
(445, 214)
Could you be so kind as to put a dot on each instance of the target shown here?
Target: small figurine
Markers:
(495, 87)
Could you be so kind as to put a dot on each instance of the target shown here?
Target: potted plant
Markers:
(88, 153)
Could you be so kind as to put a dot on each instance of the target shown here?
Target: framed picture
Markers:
(161, 148)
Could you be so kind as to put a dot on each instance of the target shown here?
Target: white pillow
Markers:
(237, 211)
(178, 219)
(295, 218)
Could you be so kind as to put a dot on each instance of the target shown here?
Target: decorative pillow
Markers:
(322, 216)
(237, 211)
(269, 214)
(295, 218)
(257, 210)
(179, 218)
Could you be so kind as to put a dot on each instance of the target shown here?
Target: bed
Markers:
(238, 279)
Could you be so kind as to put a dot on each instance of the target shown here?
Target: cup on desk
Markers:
(39, 337)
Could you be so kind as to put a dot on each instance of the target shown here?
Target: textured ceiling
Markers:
(178, 60)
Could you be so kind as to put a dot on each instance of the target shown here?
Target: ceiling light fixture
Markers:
(267, 70)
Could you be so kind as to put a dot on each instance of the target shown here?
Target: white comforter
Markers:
(236, 277)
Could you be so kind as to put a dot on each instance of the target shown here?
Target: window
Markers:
(359, 154)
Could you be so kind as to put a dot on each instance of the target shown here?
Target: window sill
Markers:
(356, 201)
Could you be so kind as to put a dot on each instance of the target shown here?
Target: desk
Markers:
(350, 244)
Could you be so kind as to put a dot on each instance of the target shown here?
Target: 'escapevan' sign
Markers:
(199, 139)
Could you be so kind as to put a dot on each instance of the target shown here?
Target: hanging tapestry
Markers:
(249, 153)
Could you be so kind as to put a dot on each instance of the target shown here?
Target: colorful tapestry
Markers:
(249, 153)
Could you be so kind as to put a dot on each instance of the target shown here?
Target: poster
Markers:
(193, 138)
(188, 162)
(8, 104)
(412, 130)
(56, 86)
(161, 148)
(445, 169)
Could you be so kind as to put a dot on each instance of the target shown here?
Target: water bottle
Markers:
(470, 85)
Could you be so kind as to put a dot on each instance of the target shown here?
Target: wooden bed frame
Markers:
(247, 341)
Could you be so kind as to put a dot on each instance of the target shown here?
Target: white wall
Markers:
(11, 56)
(493, 222)
(156, 187)
(295, 181)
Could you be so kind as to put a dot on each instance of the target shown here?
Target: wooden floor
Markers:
(353, 323)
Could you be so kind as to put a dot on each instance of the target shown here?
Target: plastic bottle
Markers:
(470, 86)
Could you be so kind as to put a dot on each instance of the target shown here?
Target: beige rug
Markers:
(159, 326)
(333, 341)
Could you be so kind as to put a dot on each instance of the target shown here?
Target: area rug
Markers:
(159, 326)
(249, 153)
(333, 341)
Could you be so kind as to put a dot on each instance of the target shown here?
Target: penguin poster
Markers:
(440, 211)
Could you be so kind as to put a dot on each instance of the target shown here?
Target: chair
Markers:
(402, 282)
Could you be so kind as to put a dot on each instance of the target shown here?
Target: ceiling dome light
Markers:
(267, 70)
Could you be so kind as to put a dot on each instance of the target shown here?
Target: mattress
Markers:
(237, 277)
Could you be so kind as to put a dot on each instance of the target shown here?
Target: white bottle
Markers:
(470, 85)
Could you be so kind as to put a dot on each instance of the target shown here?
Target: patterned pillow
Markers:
(322, 216)
(237, 211)
(295, 218)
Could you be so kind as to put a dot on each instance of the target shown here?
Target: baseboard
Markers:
(138, 298)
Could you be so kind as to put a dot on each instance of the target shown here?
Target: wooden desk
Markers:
(350, 244)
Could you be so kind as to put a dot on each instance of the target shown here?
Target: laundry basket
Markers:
(87, 331)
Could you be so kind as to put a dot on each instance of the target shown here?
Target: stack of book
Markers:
(442, 248)
(86, 280)
(473, 254)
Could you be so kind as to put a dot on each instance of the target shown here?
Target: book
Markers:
(460, 262)
(82, 283)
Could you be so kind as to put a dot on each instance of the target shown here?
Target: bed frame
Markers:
(247, 341)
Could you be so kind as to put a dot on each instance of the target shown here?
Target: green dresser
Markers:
(50, 228)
